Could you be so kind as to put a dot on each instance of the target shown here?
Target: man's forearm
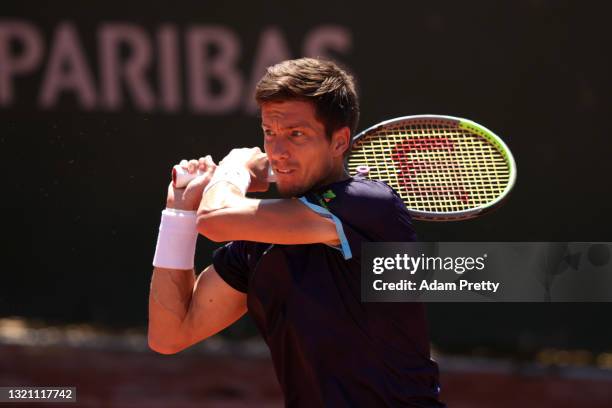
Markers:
(213, 221)
(169, 299)
(221, 195)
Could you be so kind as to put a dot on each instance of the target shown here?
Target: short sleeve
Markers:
(366, 211)
(231, 262)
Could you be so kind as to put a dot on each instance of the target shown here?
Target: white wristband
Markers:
(176, 241)
(237, 176)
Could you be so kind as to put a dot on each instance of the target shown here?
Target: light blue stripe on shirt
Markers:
(344, 247)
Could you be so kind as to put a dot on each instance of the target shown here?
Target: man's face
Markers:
(296, 145)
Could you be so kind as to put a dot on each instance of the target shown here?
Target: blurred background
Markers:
(99, 100)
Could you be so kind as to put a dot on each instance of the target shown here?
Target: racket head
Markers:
(443, 167)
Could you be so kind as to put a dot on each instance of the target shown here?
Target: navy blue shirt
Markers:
(329, 348)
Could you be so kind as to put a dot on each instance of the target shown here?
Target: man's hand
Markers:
(256, 163)
(189, 198)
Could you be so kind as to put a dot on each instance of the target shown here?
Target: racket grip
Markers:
(271, 175)
(181, 177)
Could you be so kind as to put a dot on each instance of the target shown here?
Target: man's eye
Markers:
(297, 133)
(268, 132)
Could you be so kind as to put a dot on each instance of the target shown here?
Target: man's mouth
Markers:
(283, 171)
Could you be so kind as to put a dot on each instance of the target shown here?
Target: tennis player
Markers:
(294, 263)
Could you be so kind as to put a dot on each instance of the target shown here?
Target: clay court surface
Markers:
(143, 379)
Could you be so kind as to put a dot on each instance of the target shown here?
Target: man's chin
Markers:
(290, 191)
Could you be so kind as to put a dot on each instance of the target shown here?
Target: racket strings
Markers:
(435, 167)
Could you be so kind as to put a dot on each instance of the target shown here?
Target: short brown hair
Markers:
(330, 88)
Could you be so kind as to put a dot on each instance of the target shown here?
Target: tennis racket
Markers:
(444, 168)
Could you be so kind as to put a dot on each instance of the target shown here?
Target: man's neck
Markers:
(339, 174)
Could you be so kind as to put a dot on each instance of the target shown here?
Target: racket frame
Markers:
(465, 124)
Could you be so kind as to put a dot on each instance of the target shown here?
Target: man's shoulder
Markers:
(368, 192)
(359, 196)
(370, 187)
(356, 186)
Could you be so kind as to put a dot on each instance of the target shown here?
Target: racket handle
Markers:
(181, 177)
(271, 175)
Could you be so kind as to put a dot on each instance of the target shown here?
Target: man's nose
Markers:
(277, 149)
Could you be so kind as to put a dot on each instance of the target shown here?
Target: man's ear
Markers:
(340, 141)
